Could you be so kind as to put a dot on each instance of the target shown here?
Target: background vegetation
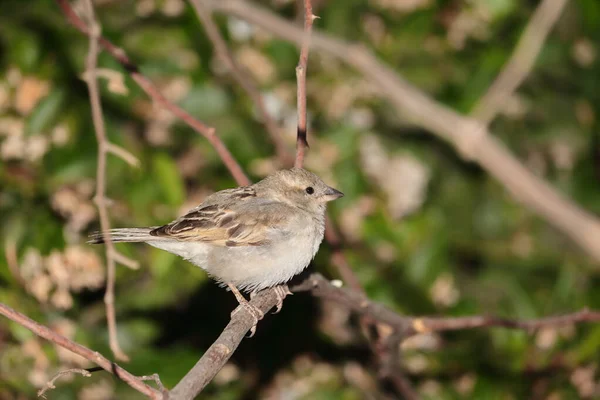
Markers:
(425, 231)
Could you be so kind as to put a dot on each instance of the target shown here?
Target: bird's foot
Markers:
(254, 311)
(281, 291)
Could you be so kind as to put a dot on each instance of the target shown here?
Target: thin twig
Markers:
(469, 136)
(50, 384)
(431, 324)
(93, 356)
(301, 140)
(242, 78)
(100, 197)
(521, 61)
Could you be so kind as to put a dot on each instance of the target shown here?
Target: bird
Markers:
(248, 238)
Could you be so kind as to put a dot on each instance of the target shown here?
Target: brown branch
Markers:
(148, 87)
(301, 139)
(427, 324)
(410, 325)
(100, 197)
(521, 61)
(93, 356)
(469, 136)
(222, 349)
(242, 78)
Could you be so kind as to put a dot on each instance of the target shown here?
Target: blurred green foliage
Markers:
(465, 247)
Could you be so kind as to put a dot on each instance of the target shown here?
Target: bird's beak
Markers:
(332, 194)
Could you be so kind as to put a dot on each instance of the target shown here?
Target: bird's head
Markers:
(300, 188)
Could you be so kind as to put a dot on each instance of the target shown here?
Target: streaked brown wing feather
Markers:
(229, 221)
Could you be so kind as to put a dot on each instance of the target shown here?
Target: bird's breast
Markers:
(288, 252)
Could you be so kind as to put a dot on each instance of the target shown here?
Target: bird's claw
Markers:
(254, 312)
(281, 292)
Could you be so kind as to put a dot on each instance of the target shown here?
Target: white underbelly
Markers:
(249, 267)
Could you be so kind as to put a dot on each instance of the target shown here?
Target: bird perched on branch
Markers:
(249, 238)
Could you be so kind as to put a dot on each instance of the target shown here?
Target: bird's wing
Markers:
(232, 218)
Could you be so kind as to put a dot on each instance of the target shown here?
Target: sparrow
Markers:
(248, 238)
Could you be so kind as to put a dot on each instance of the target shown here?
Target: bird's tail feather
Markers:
(122, 235)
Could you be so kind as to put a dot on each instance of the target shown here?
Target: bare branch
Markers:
(242, 78)
(410, 325)
(222, 349)
(100, 197)
(301, 140)
(93, 356)
(470, 137)
(521, 61)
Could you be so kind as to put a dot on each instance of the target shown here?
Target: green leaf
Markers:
(24, 50)
(589, 346)
(46, 112)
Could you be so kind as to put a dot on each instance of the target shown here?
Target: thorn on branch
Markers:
(419, 327)
(50, 384)
(154, 377)
(123, 154)
(126, 261)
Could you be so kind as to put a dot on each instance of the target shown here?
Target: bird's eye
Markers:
(310, 190)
